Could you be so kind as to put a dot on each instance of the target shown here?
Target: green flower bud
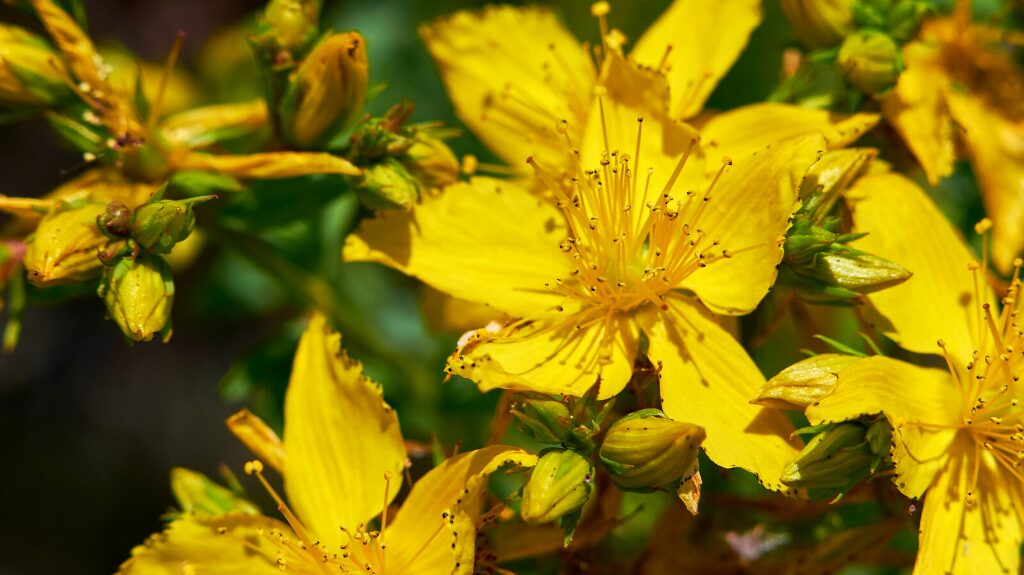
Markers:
(833, 459)
(325, 95)
(431, 161)
(804, 382)
(160, 224)
(31, 72)
(197, 493)
(139, 294)
(387, 184)
(559, 485)
(871, 61)
(862, 273)
(819, 23)
(292, 24)
(898, 18)
(647, 450)
(547, 420)
(879, 437)
(65, 246)
(116, 220)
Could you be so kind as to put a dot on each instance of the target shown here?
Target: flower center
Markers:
(629, 241)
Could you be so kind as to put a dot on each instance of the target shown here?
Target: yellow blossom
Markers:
(957, 434)
(342, 459)
(960, 80)
(638, 244)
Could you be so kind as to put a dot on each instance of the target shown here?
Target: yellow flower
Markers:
(638, 244)
(342, 459)
(512, 90)
(958, 73)
(957, 436)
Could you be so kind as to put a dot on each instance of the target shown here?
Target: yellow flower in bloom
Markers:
(342, 459)
(958, 434)
(636, 254)
(514, 74)
(958, 73)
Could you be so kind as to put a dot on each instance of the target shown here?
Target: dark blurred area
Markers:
(92, 426)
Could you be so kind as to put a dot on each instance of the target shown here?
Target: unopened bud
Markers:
(292, 24)
(819, 23)
(863, 273)
(159, 225)
(898, 18)
(31, 73)
(116, 220)
(647, 450)
(65, 246)
(197, 493)
(834, 458)
(804, 382)
(871, 61)
(547, 420)
(431, 161)
(387, 184)
(559, 485)
(139, 294)
(325, 95)
(879, 437)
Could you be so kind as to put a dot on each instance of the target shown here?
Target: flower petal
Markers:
(705, 39)
(996, 145)
(485, 241)
(905, 226)
(255, 434)
(196, 544)
(268, 165)
(708, 379)
(968, 539)
(906, 395)
(340, 438)
(748, 129)
(918, 111)
(435, 531)
(513, 74)
(551, 355)
(748, 215)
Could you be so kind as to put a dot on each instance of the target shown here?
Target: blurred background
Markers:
(91, 426)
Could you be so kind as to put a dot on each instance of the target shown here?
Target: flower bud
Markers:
(31, 73)
(648, 450)
(292, 23)
(804, 382)
(879, 437)
(139, 294)
(898, 18)
(871, 61)
(819, 23)
(833, 459)
(559, 485)
(862, 273)
(431, 161)
(159, 225)
(65, 245)
(325, 95)
(546, 420)
(117, 219)
(387, 184)
(197, 493)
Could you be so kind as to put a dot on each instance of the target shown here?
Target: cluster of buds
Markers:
(136, 284)
(643, 451)
(819, 265)
(856, 42)
(839, 456)
(400, 160)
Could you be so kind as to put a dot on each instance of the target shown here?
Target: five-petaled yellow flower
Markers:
(958, 434)
(632, 251)
(960, 80)
(342, 459)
